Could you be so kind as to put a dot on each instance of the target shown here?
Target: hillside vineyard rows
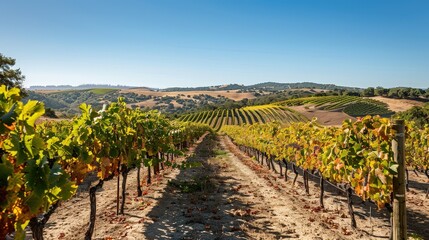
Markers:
(279, 111)
(42, 164)
(246, 115)
(353, 106)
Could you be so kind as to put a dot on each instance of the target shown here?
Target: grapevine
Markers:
(42, 164)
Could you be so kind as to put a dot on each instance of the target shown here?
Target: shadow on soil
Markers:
(201, 204)
(417, 222)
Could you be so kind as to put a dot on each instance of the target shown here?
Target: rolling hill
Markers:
(246, 115)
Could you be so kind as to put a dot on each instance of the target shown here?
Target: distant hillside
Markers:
(350, 105)
(209, 88)
(66, 102)
(80, 87)
(299, 85)
(267, 86)
(177, 101)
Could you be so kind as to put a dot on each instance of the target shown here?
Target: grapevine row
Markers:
(351, 105)
(358, 154)
(246, 115)
(41, 165)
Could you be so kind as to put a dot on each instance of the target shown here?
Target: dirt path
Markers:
(372, 223)
(70, 220)
(293, 207)
(229, 196)
(226, 200)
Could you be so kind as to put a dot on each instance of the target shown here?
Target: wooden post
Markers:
(399, 215)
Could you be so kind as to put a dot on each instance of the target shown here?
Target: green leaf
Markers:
(14, 93)
(28, 142)
(34, 202)
(38, 143)
(376, 196)
(36, 176)
(16, 180)
(10, 116)
(32, 111)
(20, 230)
(52, 142)
(67, 191)
(85, 108)
(15, 148)
(344, 154)
(87, 156)
(6, 170)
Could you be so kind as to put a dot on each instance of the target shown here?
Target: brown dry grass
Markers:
(44, 119)
(234, 95)
(398, 105)
(46, 91)
(148, 103)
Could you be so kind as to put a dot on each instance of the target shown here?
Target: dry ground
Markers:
(398, 105)
(230, 196)
(327, 118)
(336, 118)
(151, 103)
(233, 94)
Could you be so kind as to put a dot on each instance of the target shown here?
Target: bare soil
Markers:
(230, 196)
(398, 105)
(327, 118)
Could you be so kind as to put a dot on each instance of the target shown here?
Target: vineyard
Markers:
(246, 115)
(214, 120)
(279, 112)
(351, 105)
(41, 165)
(358, 153)
(358, 157)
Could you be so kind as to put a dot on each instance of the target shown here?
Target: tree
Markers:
(244, 101)
(50, 113)
(9, 76)
(404, 92)
(369, 92)
(351, 93)
(416, 92)
(420, 115)
(380, 91)
(393, 93)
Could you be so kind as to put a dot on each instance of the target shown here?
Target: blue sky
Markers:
(163, 43)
